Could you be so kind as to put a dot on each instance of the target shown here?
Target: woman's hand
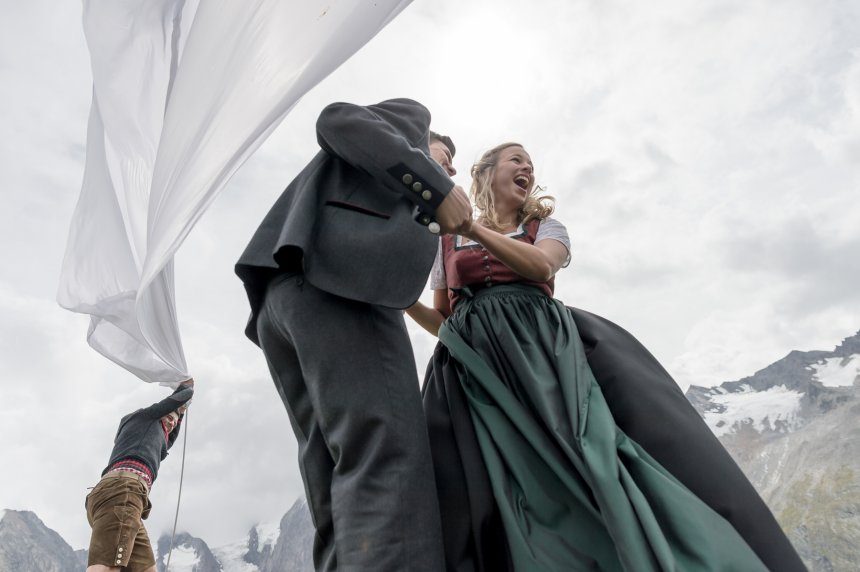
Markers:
(537, 262)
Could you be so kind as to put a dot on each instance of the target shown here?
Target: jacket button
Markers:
(426, 195)
(416, 186)
(434, 227)
(407, 179)
(425, 220)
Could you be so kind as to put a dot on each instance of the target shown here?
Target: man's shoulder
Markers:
(403, 106)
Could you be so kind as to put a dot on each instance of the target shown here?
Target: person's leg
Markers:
(315, 462)
(361, 384)
(114, 511)
(142, 557)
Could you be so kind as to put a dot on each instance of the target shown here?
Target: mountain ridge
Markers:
(794, 429)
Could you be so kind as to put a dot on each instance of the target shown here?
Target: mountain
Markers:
(27, 545)
(285, 546)
(794, 429)
(189, 554)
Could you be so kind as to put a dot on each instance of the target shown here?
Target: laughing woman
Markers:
(535, 467)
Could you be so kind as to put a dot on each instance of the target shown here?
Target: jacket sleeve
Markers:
(383, 141)
(170, 403)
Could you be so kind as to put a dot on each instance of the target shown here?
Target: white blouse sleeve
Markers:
(551, 228)
(437, 273)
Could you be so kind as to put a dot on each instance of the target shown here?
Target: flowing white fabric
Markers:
(183, 93)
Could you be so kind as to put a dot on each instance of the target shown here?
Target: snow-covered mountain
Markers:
(794, 428)
(28, 545)
(285, 546)
(785, 395)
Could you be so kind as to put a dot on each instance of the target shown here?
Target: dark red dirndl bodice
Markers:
(471, 265)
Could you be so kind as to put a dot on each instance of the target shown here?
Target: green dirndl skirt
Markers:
(573, 491)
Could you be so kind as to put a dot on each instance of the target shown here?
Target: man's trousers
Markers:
(346, 374)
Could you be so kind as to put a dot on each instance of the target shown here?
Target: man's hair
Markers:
(445, 140)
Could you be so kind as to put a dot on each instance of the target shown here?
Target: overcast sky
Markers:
(705, 157)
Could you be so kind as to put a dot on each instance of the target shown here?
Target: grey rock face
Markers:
(185, 546)
(294, 549)
(27, 545)
(285, 548)
(806, 464)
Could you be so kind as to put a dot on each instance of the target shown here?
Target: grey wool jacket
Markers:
(140, 435)
(354, 219)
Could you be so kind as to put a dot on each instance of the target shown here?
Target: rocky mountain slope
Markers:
(27, 545)
(794, 428)
(285, 546)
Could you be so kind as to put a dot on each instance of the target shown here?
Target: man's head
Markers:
(442, 150)
(170, 420)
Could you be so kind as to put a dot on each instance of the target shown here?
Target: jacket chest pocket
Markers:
(350, 206)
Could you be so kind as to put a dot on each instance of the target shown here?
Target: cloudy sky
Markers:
(705, 157)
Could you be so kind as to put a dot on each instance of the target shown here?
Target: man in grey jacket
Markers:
(348, 244)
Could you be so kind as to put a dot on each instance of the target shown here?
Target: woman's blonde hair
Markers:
(535, 207)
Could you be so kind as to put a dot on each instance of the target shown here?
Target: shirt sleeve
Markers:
(437, 273)
(550, 228)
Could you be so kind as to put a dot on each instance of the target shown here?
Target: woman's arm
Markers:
(538, 262)
(431, 318)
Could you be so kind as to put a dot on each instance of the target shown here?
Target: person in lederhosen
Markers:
(119, 503)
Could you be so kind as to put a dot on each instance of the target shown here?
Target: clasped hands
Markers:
(454, 215)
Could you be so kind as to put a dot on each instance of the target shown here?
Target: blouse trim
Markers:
(461, 242)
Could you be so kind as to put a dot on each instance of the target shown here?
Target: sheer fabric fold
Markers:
(183, 93)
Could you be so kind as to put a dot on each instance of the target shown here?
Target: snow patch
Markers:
(761, 409)
(268, 534)
(2, 514)
(837, 372)
(231, 557)
(183, 559)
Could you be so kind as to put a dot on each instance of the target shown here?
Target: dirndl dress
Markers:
(532, 471)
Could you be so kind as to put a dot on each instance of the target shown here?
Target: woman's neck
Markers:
(506, 222)
(503, 224)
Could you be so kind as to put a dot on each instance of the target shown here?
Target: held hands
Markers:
(454, 215)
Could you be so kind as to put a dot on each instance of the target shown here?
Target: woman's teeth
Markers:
(522, 182)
